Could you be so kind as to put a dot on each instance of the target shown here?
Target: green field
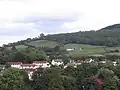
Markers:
(89, 50)
(86, 50)
(38, 43)
(43, 43)
(20, 46)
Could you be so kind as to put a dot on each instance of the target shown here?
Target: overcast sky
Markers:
(20, 19)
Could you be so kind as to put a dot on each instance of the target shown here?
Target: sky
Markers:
(21, 19)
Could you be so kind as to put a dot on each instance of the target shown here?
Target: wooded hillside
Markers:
(108, 36)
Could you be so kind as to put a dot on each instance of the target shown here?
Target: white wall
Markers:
(16, 66)
(56, 63)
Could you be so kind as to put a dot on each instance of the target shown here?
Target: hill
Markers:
(86, 50)
(43, 43)
(105, 41)
(100, 37)
(111, 27)
(108, 36)
(36, 43)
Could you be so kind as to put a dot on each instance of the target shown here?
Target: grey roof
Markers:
(58, 60)
(2, 66)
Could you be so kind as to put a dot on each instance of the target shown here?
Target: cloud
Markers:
(20, 19)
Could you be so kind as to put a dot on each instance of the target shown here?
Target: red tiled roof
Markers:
(40, 62)
(79, 61)
(100, 82)
(14, 62)
(28, 65)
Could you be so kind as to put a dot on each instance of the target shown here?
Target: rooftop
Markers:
(58, 60)
(14, 62)
(28, 65)
(40, 62)
(2, 66)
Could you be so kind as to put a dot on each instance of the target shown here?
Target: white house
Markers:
(2, 67)
(42, 64)
(15, 64)
(91, 60)
(103, 62)
(70, 64)
(80, 49)
(114, 63)
(70, 49)
(28, 66)
(30, 72)
(57, 62)
(77, 62)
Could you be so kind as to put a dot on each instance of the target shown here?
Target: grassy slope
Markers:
(43, 43)
(38, 43)
(20, 46)
(86, 49)
(90, 50)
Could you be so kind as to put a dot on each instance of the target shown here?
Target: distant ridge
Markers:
(107, 36)
(111, 27)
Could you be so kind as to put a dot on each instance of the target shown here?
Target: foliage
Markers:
(69, 84)
(29, 54)
(110, 84)
(13, 79)
(84, 77)
(101, 37)
(55, 84)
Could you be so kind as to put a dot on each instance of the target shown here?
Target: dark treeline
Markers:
(106, 38)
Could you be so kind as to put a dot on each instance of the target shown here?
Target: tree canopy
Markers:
(13, 79)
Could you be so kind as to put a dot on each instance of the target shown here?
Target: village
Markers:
(31, 68)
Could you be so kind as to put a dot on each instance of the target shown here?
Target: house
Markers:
(2, 67)
(15, 64)
(70, 64)
(77, 62)
(102, 62)
(57, 62)
(90, 60)
(80, 49)
(42, 64)
(114, 63)
(30, 72)
(70, 49)
(28, 66)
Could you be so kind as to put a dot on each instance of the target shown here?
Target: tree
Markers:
(42, 36)
(110, 82)
(12, 79)
(40, 81)
(28, 55)
(19, 56)
(13, 49)
(55, 84)
(48, 79)
(69, 71)
(89, 84)
(66, 59)
(57, 48)
(69, 83)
